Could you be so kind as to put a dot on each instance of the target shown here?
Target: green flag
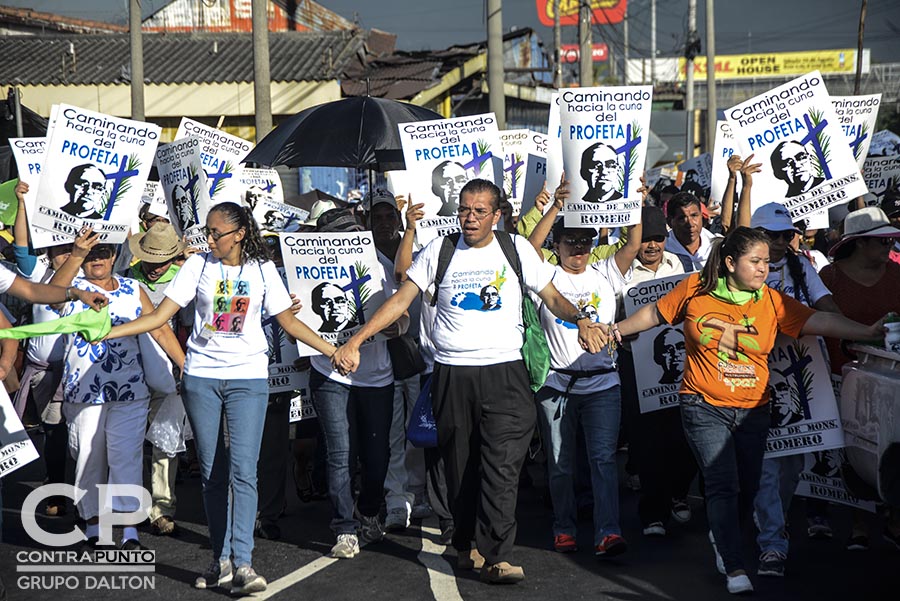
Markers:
(92, 325)
(9, 204)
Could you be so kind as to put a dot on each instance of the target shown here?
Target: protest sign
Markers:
(885, 143)
(661, 176)
(301, 403)
(221, 155)
(441, 157)
(821, 479)
(881, 174)
(722, 151)
(184, 185)
(604, 144)
(16, 448)
(793, 131)
(657, 382)
(337, 278)
(554, 145)
(697, 169)
(857, 116)
(29, 156)
(804, 411)
(155, 197)
(284, 376)
(524, 167)
(93, 173)
(261, 190)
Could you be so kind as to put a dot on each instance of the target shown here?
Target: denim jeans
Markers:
(230, 517)
(598, 414)
(355, 421)
(728, 443)
(776, 489)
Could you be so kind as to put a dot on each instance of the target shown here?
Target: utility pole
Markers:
(625, 50)
(859, 46)
(710, 75)
(653, 42)
(496, 93)
(137, 60)
(689, 53)
(585, 62)
(557, 43)
(262, 81)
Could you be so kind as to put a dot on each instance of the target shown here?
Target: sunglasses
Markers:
(657, 239)
(787, 235)
(577, 241)
(103, 252)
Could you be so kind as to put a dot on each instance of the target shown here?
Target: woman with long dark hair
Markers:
(226, 372)
(730, 321)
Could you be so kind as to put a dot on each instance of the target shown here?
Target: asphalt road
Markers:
(411, 565)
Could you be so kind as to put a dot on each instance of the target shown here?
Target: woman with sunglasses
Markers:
(795, 276)
(582, 389)
(226, 373)
(105, 393)
(864, 282)
(730, 322)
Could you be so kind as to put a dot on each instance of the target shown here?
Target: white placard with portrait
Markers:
(221, 155)
(184, 186)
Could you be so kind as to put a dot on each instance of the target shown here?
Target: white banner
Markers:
(184, 185)
(260, 184)
(804, 411)
(554, 145)
(605, 132)
(16, 448)
(884, 144)
(794, 132)
(881, 174)
(221, 155)
(94, 171)
(29, 156)
(857, 116)
(339, 280)
(722, 151)
(821, 479)
(441, 157)
(524, 167)
(657, 381)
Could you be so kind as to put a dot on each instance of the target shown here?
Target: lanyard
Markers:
(222, 271)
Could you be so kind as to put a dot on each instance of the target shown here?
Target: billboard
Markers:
(775, 64)
(603, 12)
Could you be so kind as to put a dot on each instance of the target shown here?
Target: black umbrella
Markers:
(359, 132)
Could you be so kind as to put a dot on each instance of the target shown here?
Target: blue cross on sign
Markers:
(812, 136)
(627, 148)
(269, 186)
(355, 284)
(856, 143)
(117, 179)
(477, 159)
(219, 175)
(512, 172)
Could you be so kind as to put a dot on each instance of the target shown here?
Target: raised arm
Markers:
(545, 225)
(25, 260)
(530, 219)
(82, 246)
(404, 256)
(734, 165)
(745, 211)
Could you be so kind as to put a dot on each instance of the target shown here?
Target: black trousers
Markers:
(485, 418)
(273, 458)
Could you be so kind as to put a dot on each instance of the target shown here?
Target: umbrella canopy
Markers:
(360, 132)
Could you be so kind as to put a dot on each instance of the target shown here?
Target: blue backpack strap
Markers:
(448, 247)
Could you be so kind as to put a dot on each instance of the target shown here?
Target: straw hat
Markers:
(870, 222)
(157, 245)
(319, 207)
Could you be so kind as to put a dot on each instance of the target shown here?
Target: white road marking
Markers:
(440, 572)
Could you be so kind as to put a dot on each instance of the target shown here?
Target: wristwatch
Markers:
(582, 314)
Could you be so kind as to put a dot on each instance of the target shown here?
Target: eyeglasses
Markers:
(787, 235)
(97, 186)
(217, 235)
(479, 214)
(577, 241)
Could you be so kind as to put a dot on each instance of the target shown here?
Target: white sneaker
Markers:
(397, 520)
(720, 564)
(347, 547)
(655, 529)
(738, 584)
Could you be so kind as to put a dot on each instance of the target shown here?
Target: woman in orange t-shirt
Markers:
(730, 321)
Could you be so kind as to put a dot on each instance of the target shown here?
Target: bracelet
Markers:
(68, 295)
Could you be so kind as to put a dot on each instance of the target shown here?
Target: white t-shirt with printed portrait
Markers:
(479, 310)
(594, 291)
(227, 340)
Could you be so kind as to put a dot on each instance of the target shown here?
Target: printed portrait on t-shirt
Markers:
(669, 353)
(589, 307)
(488, 298)
(230, 305)
(334, 307)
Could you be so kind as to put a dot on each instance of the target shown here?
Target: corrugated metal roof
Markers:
(174, 58)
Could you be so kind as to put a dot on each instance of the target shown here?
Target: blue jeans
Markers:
(776, 488)
(559, 417)
(355, 421)
(230, 517)
(728, 443)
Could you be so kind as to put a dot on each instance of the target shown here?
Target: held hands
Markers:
(345, 359)
(592, 336)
